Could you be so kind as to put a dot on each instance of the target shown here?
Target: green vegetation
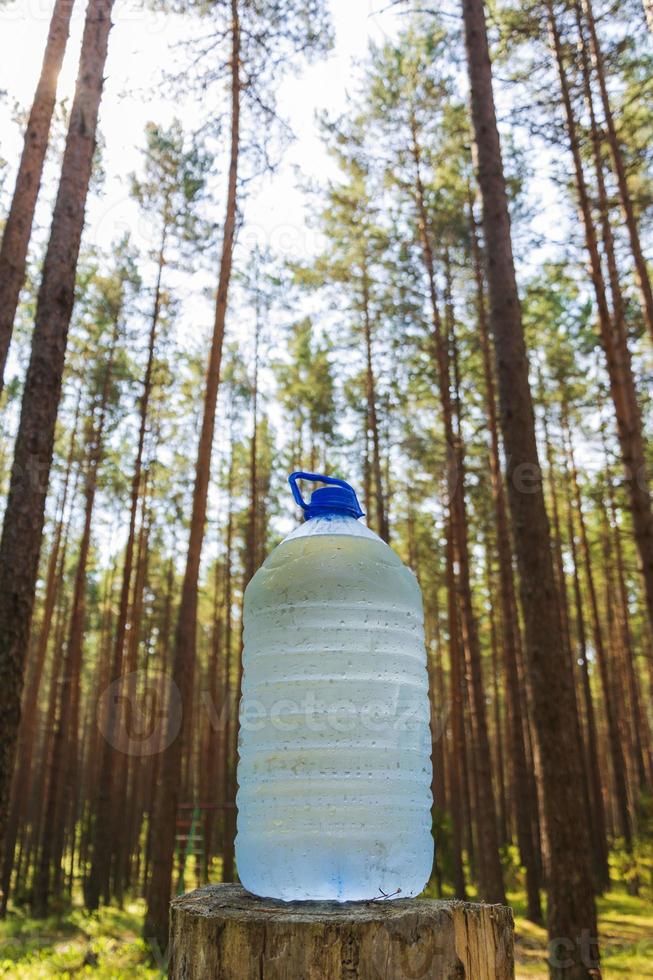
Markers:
(104, 944)
(625, 930)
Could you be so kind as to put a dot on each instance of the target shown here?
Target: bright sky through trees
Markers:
(144, 43)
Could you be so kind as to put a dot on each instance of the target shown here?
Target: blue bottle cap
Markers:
(337, 497)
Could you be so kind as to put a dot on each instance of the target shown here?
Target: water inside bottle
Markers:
(335, 773)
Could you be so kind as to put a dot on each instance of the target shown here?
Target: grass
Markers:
(625, 932)
(106, 945)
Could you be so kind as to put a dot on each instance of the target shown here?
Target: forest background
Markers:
(312, 222)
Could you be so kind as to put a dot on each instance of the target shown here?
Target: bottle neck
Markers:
(328, 512)
(332, 524)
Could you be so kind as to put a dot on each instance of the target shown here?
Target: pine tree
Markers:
(107, 313)
(249, 49)
(306, 389)
(18, 226)
(171, 189)
(570, 908)
(23, 519)
(357, 242)
(613, 329)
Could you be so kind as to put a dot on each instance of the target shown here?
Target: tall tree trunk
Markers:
(23, 520)
(630, 218)
(372, 414)
(556, 537)
(509, 623)
(436, 704)
(64, 757)
(624, 710)
(225, 787)
(42, 775)
(640, 722)
(29, 713)
(250, 562)
(616, 750)
(163, 652)
(489, 864)
(457, 743)
(165, 810)
(639, 719)
(212, 739)
(435, 671)
(102, 838)
(561, 580)
(600, 845)
(499, 766)
(570, 908)
(100, 683)
(18, 227)
(119, 827)
(491, 879)
(613, 337)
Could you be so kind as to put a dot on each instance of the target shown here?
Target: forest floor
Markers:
(107, 945)
(625, 931)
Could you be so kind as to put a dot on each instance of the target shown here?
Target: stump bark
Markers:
(221, 932)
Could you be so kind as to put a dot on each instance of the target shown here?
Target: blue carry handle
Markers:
(337, 497)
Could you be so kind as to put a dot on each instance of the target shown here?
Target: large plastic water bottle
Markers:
(334, 798)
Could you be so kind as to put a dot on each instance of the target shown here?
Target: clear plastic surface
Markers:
(334, 798)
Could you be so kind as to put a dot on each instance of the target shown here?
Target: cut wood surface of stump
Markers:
(221, 932)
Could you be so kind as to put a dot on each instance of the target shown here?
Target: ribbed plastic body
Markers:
(334, 798)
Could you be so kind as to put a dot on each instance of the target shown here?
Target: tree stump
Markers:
(221, 932)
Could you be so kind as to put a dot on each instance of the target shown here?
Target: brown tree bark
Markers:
(616, 750)
(250, 564)
(100, 683)
(165, 810)
(457, 743)
(556, 538)
(63, 765)
(509, 624)
(638, 716)
(620, 320)
(490, 874)
(485, 813)
(624, 711)
(212, 742)
(440, 775)
(600, 844)
(163, 653)
(640, 727)
(222, 931)
(29, 712)
(372, 414)
(627, 207)
(570, 909)
(18, 226)
(40, 781)
(613, 334)
(23, 520)
(125, 764)
(499, 753)
(565, 618)
(102, 838)
(227, 711)
(436, 702)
